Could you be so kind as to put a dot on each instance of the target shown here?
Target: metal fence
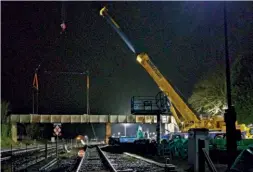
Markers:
(19, 159)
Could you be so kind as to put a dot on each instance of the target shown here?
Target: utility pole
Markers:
(33, 99)
(230, 114)
(36, 87)
(88, 92)
(87, 99)
(37, 108)
(87, 83)
(57, 146)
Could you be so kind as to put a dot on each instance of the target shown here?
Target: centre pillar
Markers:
(108, 131)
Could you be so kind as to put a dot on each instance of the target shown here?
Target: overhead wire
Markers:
(63, 30)
(88, 87)
(35, 78)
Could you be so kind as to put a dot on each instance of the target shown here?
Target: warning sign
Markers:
(57, 129)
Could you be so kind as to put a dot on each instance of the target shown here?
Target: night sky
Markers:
(184, 39)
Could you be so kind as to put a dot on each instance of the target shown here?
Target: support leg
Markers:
(158, 128)
(158, 132)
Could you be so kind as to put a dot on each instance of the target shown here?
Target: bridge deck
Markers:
(54, 118)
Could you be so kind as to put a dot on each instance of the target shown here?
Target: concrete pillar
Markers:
(108, 131)
(14, 132)
(196, 134)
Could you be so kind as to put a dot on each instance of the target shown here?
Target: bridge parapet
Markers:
(54, 118)
(107, 119)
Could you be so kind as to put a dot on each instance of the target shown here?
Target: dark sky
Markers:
(184, 39)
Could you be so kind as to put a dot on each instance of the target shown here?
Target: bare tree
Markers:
(209, 94)
(5, 127)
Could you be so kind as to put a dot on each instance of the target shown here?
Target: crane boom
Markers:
(185, 111)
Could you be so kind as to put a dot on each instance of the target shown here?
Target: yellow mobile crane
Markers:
(188, 117)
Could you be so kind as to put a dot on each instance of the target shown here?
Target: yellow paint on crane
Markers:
(114, 22)
(102, 11)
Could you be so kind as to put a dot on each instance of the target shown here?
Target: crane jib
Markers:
(116, 27)
(154, 68)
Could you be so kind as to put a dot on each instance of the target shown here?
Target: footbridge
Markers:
(84, 118)
(71, 118)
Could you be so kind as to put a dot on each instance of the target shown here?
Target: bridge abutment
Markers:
(14, 132)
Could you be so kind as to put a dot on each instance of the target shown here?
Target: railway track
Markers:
(97, 160)
(66, 165)
(41, 166)
(93, 161)
(7, 154)
(52, 164)
(21, 160)
(62, 164)
(36, 158)
(123, 162)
